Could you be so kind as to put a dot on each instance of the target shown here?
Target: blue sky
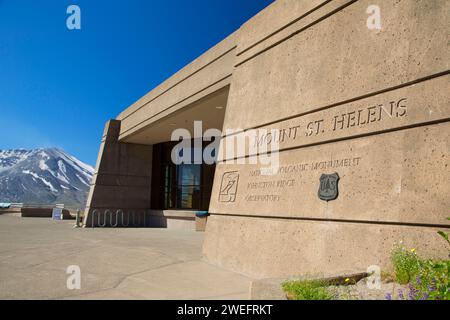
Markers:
(59, 87)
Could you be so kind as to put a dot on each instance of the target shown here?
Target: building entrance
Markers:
(179, 186)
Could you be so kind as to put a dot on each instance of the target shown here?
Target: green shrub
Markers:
(445, 235)
(406, 264)
(307, 290)
(433, 280)
(426, 279)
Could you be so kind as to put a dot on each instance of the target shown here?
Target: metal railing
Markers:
(35, 205)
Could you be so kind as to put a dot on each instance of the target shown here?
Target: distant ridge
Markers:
(43, 176)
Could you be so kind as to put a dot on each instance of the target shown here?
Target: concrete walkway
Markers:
(114, 263)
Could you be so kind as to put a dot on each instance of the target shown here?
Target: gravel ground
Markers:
(360, 291)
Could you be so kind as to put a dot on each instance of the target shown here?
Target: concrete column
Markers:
(122, 181)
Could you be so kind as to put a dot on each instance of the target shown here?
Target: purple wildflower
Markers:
(418, 280)
(400, 294)
(432, 286)
(388, 296)
(425, 296)
(413, 292)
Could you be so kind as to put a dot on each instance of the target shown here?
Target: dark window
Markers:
(184, 186)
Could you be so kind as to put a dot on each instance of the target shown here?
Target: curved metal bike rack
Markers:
(116, 214)
(121, 214)
(105, 214)
(117, 218)
(94, 213)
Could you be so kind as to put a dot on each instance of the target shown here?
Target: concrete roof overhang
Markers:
(210, 110)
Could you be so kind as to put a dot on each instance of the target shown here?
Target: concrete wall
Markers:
(42, 213)
(34, 212)
(173, 219)
(370, 105)
(122, 179)
(11, 211)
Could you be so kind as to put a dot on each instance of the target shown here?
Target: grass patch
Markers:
(406, 264)
(307, 290)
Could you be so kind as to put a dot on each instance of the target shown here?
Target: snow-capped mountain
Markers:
(43, 176)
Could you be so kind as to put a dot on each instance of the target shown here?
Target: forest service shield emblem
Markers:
(328, 189)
